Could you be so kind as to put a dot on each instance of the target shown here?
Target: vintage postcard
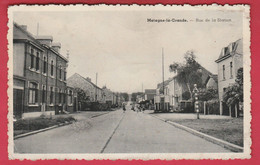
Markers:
(129, 82)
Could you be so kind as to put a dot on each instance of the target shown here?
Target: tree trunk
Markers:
(236, 109)
(205, 108)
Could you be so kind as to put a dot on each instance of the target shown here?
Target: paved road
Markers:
(116, 132)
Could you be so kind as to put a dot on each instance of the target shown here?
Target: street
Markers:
(116, 132)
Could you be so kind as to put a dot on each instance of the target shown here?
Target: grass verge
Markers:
(230, 130)
(28, 125)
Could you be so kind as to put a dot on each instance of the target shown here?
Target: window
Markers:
(44, 65)
(65, 74)
(231, 70)
(223, 72)
(37, 61)
(32, 58)
(33, 93)
(43, 94)
(52, 68)
(60, 71)
(51, 95)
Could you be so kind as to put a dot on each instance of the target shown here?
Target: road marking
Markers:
(103, 149)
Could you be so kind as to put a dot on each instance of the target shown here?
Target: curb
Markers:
(41, 130)
(225, 144)
(99, 115)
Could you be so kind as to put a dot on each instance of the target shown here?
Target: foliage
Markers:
(208, 94)
(186, 95)
(40, 123)
(188, 72)
(134, 95)
(82, 96)
(213, 107)
(125, 96)
(234, 93)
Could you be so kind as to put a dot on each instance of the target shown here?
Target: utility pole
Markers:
(163, 69)
(96, 86)
(142, 87)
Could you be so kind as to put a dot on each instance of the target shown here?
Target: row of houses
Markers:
(171, 91)
(95, 93)
(40, 84)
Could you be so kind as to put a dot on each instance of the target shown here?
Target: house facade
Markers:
(149, 94)
(110, 97)
(173, 90)
(92, 91)
(37, 81)
(212, 82)
(229, 61)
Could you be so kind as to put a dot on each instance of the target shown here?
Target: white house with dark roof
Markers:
(229, 61)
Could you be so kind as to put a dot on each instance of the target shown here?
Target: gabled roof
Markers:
(214, 77)
(233, 48)
(33, 39)
(26, 35)
(70, 82)
(166, 82)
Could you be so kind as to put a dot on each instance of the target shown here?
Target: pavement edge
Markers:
(41, 130)
(49, 128)
(225, 144)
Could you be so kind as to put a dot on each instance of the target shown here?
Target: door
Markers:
(75, 104)
(162, 103)
(17, 103)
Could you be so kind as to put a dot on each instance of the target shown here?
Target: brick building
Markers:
(39, 75)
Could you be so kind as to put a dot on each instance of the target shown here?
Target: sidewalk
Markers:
(34, 125)
(221, 127)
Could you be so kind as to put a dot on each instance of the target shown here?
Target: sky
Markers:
(126, 50)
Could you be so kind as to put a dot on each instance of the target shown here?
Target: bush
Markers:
(186, 107)
(213, 107)
(186, 95)
(40, 123)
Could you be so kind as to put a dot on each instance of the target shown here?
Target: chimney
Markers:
(45, 40)
(56, 46)
(24, 27)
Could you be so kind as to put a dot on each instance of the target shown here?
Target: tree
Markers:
(125, 96)
(188, 72)
(208, 94)
(134, 95)
(234, 93)
(82, 97)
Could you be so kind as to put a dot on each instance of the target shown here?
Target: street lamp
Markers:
(196, 107)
